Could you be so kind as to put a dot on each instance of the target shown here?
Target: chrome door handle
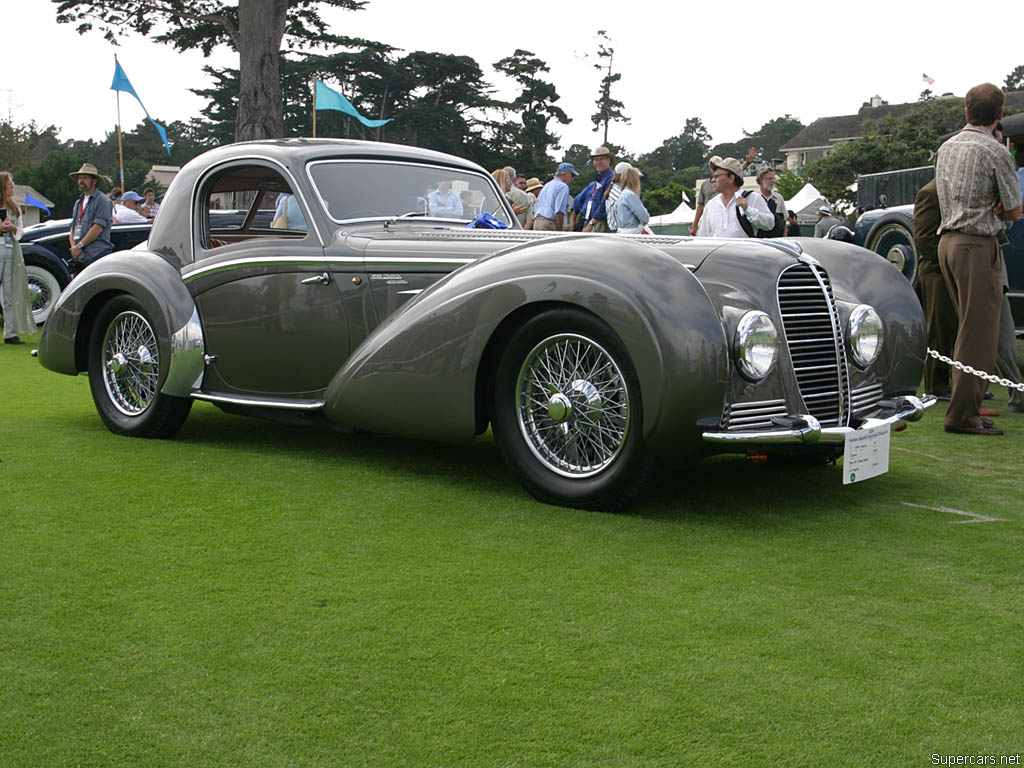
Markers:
(324, 279)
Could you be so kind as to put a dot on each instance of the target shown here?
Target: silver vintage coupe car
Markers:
(372, 306)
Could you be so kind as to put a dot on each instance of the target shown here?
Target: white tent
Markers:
(806, 203)
(677, 222)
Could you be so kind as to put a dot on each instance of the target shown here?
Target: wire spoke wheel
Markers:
(572, 401)
(131, 363)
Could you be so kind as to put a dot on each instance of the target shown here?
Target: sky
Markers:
(677, 61)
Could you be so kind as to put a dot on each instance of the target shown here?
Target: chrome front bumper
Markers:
(807, 430)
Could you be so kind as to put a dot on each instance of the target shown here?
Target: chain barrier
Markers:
(990, 377)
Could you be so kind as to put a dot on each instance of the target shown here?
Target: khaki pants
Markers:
(973, 270)
(600, 225)
(543, 224)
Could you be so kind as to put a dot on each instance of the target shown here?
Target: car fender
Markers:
(158, 287)
(417, 374)
(42, 256)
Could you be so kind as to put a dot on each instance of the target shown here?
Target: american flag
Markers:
(929, 80)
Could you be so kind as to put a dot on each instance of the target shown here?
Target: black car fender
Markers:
(158, 287)
(418, 374)
(41, 256)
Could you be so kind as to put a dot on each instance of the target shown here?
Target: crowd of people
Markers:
(959, 218)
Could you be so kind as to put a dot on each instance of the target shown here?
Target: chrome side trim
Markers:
(810, 431)
(258, 402)
(256, 261)
(185, 371)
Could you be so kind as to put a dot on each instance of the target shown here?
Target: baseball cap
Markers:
(131, 194)
(730, 164)
(563, 167)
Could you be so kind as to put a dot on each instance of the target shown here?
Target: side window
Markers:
(247, 202)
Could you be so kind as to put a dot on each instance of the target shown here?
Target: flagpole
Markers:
(314, 107)
(120, 150)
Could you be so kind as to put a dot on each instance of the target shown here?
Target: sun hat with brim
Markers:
(532, 184)
(131, 194)
(825, 210)
(87, 169)
(601, 151)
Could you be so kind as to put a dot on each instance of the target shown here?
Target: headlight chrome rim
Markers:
(756, 345)
(865, 334)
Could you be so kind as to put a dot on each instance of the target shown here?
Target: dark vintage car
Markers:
(889, 232)
(589, 356)
(48, 263)
(47, 250)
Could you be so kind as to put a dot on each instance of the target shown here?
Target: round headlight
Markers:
(866, 335)
(756, 345)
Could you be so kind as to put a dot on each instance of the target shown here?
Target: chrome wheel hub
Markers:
(131, 363)
(573, 405)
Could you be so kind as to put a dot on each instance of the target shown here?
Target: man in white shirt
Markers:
(723, 213)
(127, 211)
(444, 203)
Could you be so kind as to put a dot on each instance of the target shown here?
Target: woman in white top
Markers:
(14, 296)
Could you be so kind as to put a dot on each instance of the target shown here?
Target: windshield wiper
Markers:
(406, 215)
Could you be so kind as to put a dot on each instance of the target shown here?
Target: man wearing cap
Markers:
(90, 218)
(553, 200)
(594, 211)
(127, 211)
(825, 221)
(723, 213)
(706, 189)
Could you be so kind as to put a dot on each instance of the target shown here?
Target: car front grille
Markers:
(748, 416)
(813, 333)
(865, 398)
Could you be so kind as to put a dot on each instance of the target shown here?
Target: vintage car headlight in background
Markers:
(756, 345)
(866, 335)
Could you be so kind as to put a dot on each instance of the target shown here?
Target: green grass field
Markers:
(255, 594)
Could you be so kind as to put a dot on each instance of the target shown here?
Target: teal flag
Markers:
(330, 99)
(121, 83)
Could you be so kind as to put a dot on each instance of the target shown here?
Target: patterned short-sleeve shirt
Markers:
(974, 172)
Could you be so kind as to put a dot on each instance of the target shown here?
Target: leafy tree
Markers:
(768, 138)
(50, 177)
(23, 145)
(535, 106)
(687, 149)
(256, 29)
(609, 110)
(926, 95)
(905, 142)
(665, 199)
(1015, 80)
(788, 183)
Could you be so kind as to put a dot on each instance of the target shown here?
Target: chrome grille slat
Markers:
(756, 415)
(811, 326)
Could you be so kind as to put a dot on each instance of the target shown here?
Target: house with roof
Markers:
(31, 203)
(823, 135)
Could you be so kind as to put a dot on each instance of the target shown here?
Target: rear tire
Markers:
(892, 238)
(45, 289)
(125, 374)
(568, 415)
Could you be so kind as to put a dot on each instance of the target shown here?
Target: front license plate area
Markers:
(866, 453)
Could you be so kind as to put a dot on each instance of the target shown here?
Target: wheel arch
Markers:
(158, 287)
(425, 372)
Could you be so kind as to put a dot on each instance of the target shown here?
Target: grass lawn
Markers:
(255, 594)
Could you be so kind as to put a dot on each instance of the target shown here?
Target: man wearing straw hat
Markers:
(90, 218)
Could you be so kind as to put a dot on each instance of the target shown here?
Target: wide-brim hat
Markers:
(533, 183)
(601, 151)
(86, 169)
(825, 210)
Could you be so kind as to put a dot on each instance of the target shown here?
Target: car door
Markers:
(274, 323)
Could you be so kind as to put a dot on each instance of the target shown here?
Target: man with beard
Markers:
(90, 218)
(772, 197)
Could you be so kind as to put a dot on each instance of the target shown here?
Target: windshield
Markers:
(367, 189)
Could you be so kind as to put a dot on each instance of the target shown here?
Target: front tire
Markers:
(568, 414)
(125, 374)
